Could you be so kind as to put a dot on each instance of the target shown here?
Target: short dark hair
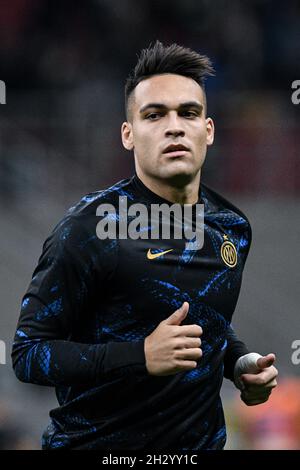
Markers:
(159, 59)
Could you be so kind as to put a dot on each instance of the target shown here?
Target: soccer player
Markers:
(135, 333)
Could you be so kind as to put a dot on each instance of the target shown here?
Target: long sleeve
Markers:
(59, 297)
(235, 349)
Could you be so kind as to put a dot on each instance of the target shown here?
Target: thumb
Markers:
(266, 361)
(179, 315)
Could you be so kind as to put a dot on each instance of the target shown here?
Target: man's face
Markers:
(168, 110)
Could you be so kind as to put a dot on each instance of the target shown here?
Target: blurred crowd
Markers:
(57, 43)
(64, 63)
(14, 436)
(274, 425)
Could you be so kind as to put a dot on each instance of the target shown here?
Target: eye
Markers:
(153, 116)
(189, 114)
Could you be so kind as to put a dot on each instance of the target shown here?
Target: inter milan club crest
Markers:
(228, 252)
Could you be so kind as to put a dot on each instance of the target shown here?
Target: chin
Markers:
(179, 176)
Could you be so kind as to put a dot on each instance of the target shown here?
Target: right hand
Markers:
(172, 347)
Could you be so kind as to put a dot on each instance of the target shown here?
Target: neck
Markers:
(174, 190)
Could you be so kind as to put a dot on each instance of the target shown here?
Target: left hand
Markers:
(258, 386)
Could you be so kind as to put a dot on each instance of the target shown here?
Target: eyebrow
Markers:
(187, 104)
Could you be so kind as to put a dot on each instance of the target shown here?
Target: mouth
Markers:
(175, 150)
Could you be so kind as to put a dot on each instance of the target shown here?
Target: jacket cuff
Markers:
(124, 354)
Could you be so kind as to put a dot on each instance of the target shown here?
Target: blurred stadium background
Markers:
(64, 64)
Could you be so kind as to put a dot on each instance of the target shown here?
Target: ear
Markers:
(210, 130)
(127, 136)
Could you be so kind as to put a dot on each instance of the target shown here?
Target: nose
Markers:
(174, 127)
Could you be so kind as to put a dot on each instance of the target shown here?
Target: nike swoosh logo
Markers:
(156, 255)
